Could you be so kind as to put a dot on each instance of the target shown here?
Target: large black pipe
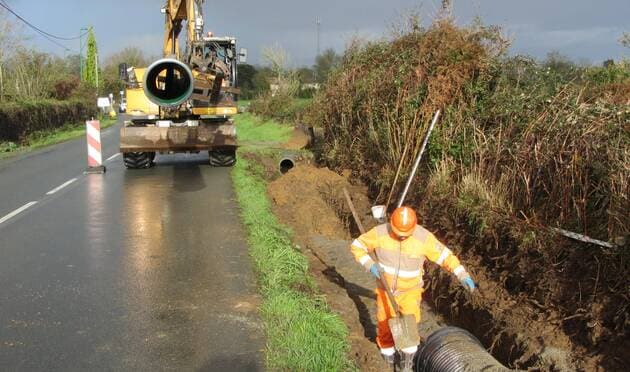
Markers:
(453, 349)
(168, 82)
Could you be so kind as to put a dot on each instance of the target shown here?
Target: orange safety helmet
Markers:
(403, 221)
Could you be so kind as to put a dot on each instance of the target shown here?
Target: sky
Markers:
(585, 31)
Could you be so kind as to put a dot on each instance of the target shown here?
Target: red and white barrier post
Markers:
(95, 156)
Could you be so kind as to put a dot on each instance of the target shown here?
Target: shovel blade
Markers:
(404, 331)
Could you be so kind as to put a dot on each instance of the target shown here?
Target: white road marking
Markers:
(17, 211)
(113, 157)
(61, 186)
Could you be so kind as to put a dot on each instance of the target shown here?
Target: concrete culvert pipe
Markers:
(286, 164)
(453, 349)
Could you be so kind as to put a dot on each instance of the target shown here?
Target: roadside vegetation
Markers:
(257, 133)
(284, 93)
(43, 95)
(523, 146)
(37, 140)
(302, 333)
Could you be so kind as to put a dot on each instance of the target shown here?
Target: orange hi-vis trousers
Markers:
(408, 304)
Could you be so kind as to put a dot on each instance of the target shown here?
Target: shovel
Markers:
(403, 327)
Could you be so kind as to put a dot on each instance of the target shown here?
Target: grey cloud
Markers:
(577, 28)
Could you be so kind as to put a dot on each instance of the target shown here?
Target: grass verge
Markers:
(302, 333)
(256, 133)
(41, 139)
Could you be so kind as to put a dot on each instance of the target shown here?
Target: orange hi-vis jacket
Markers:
(402, 261)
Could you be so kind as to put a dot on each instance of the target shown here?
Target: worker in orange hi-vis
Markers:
(401, 248)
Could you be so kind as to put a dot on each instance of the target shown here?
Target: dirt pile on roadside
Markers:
(311, 201)
(299, 139)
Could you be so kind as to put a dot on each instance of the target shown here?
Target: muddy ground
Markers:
(310, 201)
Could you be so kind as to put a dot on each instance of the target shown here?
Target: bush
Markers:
(65, 87)
(283, 103)
(18, 120)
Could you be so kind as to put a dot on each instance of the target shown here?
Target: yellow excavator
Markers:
(183, 102)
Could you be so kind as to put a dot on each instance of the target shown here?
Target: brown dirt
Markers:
(299, 140)
(308, 199)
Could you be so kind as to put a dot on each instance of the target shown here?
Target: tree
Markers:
(32, 74)
(245, 77)
(73, 65)
(90, 70)
(132, 56)
(306, 75)
(325, 63)
(285, 81)
(9, 42)
(262, 80)
(625, 39)
(277, 59)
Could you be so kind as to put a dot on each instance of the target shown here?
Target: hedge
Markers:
(18, 120)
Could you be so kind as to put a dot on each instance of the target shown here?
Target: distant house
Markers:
(313, 86)
(275, 84)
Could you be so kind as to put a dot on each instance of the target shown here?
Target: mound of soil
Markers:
(310, 200)
(299, 140)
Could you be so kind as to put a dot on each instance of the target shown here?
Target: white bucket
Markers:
(378, 212)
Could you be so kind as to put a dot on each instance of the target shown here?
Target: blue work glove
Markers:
(468, 283)
(374, 271)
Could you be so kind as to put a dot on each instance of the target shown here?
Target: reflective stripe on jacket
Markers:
(405, 257)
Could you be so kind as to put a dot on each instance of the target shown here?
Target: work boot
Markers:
(390, 360)
(406, 362)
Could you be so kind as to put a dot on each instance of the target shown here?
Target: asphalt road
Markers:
(130, 270)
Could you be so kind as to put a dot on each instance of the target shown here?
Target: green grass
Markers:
(302, 332)
(254, 132)
(38, 140)
(243, 102)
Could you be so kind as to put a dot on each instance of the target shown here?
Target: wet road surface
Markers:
(131, 270)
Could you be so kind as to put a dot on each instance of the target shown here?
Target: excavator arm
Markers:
(176, 12)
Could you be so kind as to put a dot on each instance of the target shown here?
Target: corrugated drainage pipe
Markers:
(286, 164)
(453, 349)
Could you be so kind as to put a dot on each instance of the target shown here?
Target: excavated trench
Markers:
(343, 271)
(310, 201)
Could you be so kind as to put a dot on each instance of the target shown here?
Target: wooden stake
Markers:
(354, 211)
